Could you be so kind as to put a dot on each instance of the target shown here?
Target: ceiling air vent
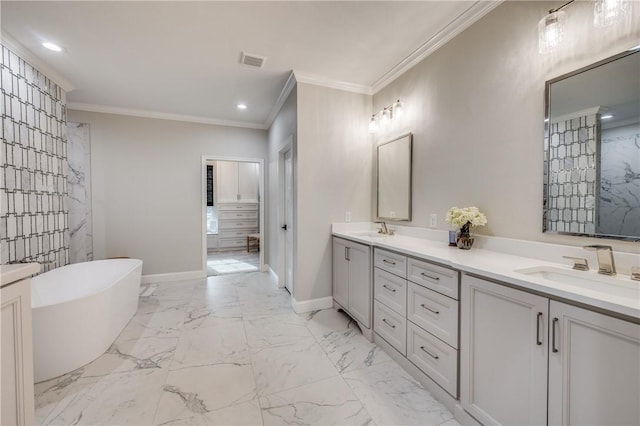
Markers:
(252, 60)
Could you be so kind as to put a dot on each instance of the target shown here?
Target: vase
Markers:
(464, 240)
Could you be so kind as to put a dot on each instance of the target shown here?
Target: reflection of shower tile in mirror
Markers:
(619, 209)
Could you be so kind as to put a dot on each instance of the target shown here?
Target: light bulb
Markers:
(398, 109)
(386, 117)
(373, 124)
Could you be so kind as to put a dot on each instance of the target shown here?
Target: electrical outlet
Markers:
(433, 220)
(347, 217)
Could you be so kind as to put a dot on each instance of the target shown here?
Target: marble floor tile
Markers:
(275, 330)
(199, 391)
(129, 355)
(117, 399)
(278, 368)
(327, 402)
(393, 397)
(225, 344)
(230, 350)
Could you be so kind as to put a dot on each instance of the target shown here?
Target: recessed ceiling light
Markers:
(241, 106)
(52, 46)
(606, 117)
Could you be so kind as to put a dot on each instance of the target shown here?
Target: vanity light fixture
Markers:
(606, 117)
(383, 118)
(608, 12)
(551, 29)
(52, 46)
(241, 106)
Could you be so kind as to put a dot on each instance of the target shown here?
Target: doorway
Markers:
(233, 215)
(286, 216)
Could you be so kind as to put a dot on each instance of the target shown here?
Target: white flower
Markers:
(460, 216)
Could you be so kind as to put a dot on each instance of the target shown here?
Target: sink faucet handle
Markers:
(606, 263)
(579, 263)
(598, 247)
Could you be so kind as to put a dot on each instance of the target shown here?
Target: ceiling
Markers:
(181, 59)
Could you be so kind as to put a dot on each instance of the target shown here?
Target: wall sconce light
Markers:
(551, 28)
(607, 12)
(383, 118)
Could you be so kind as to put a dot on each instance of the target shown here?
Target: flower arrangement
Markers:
(465, 218)
(459, 217)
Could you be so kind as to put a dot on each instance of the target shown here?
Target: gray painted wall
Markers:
(147, 185)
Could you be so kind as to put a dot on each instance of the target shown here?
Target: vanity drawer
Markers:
(434, 312)
(390, 290)
(238, 215)
(235, 242)
(434, 357)
(237, 233)
(237, 224)
(237, 206)
(437, 278)
(391, 262)
(391, 326)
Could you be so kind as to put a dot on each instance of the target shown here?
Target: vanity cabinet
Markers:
(352, 288)
(524, 356)
(17, 406)
(416, 312)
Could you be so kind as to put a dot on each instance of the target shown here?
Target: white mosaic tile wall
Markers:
(33, 166)
(573, 174)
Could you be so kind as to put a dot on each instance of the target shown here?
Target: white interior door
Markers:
(288, 216)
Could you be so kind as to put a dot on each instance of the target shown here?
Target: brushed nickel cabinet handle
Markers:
(389, 262)
(429, 309)
(554, 348)
(538, 339)
(347, 253)
(384, 320)
(393, 290)
(430, 277)
(429, 353)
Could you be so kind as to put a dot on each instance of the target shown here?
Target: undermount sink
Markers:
(371, 234)
(614, 285)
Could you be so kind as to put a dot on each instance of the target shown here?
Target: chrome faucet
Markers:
(383, 229)
(606, 265)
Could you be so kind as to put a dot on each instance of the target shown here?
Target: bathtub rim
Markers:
(117, 279)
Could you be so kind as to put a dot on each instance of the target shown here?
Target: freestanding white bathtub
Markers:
(79, 310)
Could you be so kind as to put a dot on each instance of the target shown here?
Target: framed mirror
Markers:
(592, 150)
(394, 179)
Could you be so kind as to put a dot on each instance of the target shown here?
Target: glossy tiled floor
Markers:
(230, 350)
(232, 262)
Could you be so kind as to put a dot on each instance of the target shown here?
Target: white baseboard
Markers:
(174, 276)
(311, 305)
(273, 275)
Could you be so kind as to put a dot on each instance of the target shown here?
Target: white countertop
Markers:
(501, 266)
(15, 272)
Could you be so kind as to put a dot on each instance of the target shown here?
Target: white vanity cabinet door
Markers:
(503, 362)
(248, 182)
(340, 272)
(390, 290)
(594, 368)
(16, 374)
(227, 182)
(352, 288)
(360, 283)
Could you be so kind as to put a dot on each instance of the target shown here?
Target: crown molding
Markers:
(28, 56)
(106, 109)
(284, 94)
(332, 84)
(455, 27)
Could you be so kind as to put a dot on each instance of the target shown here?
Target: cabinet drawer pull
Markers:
(430, 277)
(538, 339)
(429, 353)
(389, 262)
(347, 252)
(384, 320)
(429, 309)
(554, 348)
(238, 207)
(393, 290)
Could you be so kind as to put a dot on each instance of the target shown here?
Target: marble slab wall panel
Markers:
(619, 209)
(573, 173)
(34, 220)
(79, 181)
